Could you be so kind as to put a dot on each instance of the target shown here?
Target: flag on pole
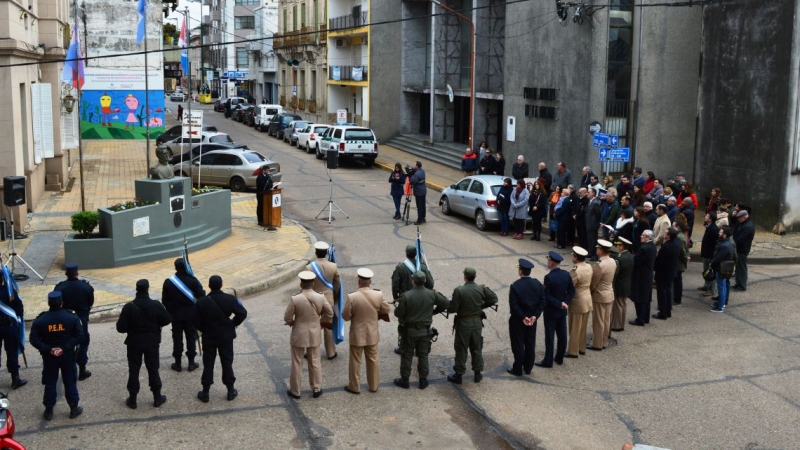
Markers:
(140, 30)
(420, 251)
(182, 44)
(13, 296)
(338, 322)
(73, 65)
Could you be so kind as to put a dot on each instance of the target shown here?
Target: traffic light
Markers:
(293, 62)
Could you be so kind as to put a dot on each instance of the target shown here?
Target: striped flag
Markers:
(140, 30)
(13, 295)
(420, 251)
(182, 44)
(73, 65)
(338, 322)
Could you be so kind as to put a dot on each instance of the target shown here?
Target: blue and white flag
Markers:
(420, 251)
(186, 262)
(13, 295)
(338, 322)
(140, 30)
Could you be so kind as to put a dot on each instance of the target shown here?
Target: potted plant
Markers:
(85, 222)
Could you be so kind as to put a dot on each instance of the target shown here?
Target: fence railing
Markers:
(348, 21)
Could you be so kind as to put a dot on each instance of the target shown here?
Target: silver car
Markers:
(294, 127)
(474, 196)
(234, 169)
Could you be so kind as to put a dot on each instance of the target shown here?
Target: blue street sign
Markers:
(622, 154)
(605, 140)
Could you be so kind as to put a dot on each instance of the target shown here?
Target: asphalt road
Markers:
(698, 380)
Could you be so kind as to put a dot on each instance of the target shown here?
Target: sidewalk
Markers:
(110, 169)
(768, 248)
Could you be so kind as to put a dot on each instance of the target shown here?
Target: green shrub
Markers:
(85, 222)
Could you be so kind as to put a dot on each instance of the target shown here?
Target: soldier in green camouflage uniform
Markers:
(401, 283)
(416, 311)
(468, 303)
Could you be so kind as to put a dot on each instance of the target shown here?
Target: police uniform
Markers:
(602, 289)
(401, 283)
(526, 300)
(12, 311)
(331, 273)
(581, 304)
(54, 330)
(622, 285)
(78, 296)
(558, 289)
(181, 308)
(142, 320)
(213, 317)
(363, 309)
(416, 310)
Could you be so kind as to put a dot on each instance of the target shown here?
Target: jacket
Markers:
(499, 166)
(558, 288)
(469, 163)
(581, 274)
(662, 224)
(142, 320)
(504, 199)
(666, 265)
(304, 313)
(602, 285)
(592, 215)
(562, 179)
(401, 279)
(610, 213)
(622, 282)
(519, 204)
(397, 181)
(710, 237)
(468, 302)
(519, 170)
(683, 256)
(213, 316)
(78, 295)
(416, 310)
(723, 252)
(743, 236)
(564, 212)
(586, 179)
(526, 298)
(418, 183)
(642, 277)
(177, 303)
(56, 328)
(486, 165)
(362, 309)
(331, 272)
(539, 200)
(545, 175)
(639, 227)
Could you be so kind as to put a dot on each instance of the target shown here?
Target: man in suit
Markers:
(263, 184)
(178, 295)
(564, 216)
(743, 237)
(326, 281)
(642, 278)
(363, 309)
(526, 299)
(707, 247)
(622, 284)
(305, 313)
(581, 304)
(558, 292)
(662, 224)
(602, 289)
(592, 218)
(467, 304)
(519, 170)
(78, 297)
(213, 317)
(417, 181)
(579, 216)
(666, 267)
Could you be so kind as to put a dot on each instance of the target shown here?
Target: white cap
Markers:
(319, 245)
(604, 243)
(580, 251)
(307, 275)
(625, 241)
(365, 273)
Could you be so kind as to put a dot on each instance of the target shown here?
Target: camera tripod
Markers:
(407, 210)
(15, 257)
(331, 206)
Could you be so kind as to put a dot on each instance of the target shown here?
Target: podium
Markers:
(271, 208)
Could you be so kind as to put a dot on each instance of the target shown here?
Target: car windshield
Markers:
(220, 138)
(253, 157)
(272, 111)
(496, 189)
(358, 135)
(288, 119)
(300, 124)
(320, 129)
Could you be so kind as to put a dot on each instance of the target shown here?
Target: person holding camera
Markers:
(417, 176)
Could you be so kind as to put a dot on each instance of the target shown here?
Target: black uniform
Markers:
(78, 296)
(212, 317)
(526, 299)
(142, 320)
(58, 328)
(666, 267)
(9, 331)
(558, 288)
(181, 308)
(263, 184)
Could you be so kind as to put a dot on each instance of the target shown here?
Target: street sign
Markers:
(341, 116)
(294, 91)
(622, 154)
(196, 121)
(595, 127)
(605, 140)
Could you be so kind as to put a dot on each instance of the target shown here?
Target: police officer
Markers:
(526, 300)
(55, 333)
(78, 296)
(142, 319)
(401, 283)
(468, 303)
(213, 318)
(179, 294)
(416, 310)
(326, 282)
(558, 293)
(11, 316)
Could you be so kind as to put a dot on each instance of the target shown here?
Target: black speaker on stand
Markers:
(332, 157)
(332, 162)
(14, 195)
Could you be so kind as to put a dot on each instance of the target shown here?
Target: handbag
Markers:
(553, 225)
(726, 269)
(709, 275)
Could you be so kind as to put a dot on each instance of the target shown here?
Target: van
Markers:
(264, 114)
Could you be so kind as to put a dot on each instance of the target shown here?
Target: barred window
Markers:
(244, 22)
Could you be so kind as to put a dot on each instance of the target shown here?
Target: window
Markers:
(225, 159)
(303, 15)
(294, 18)
(244, 22)
(247, 2)
(316, 13)
(463, 185)
(241, 57)
(359, 135)
(285, 21)
(313, 95)
(254, 157)
(476, 188)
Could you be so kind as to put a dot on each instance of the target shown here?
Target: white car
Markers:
(264, 114)
(177, 96)
(309, 137)
(183, 144)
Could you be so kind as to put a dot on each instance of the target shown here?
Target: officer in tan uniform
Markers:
(331, 274)
(581, 304)
(363, 308)
(304, 314)
(602, 288)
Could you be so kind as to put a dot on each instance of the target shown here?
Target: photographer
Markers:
(417, 177)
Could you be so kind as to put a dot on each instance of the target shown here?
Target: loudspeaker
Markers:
(333, 159)
(14, 191)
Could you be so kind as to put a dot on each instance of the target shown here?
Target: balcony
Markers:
(348, 73)
(323, 34)
(349, 21)
(277, 40)
(255, 46)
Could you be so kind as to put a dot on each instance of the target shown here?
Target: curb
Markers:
(390, 168)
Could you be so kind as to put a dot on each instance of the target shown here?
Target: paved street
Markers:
(698, 380)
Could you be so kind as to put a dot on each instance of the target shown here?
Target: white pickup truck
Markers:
(352, 142)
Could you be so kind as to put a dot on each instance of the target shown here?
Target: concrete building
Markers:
(231, 22)
(37, 32)
(263, 60)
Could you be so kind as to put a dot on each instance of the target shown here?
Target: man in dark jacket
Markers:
(526, 300)
(592, 217)
(725, 251)
(563, 176)
(622, 284)
(263, 184)
(469, 162)
(558, 292)
(486, 165)
(545, 177)
(666, 267)
(179, 293)
(743, 237)
(564, 217)
(142, 320)
(420, 191)
(610, 212)
(642, 279)
(78, 296)
(212, 316)
(519, 169)
(707, 247)
(55, 333)
(586, 177)
(579, 206)
(651, 214)
(11, 319)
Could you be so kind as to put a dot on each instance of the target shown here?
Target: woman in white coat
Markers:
(519, 208)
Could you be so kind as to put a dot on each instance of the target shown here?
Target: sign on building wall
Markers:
(113, 104)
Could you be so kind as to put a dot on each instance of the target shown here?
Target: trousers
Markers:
(554, 328)
(354, 366)
(83, 347)
(419, 346)
(314, 369)
(9, 338)
(577, 332)
(421, 212)
(330, 344)
(741, 270)
(225, 350)
(523, 344)
(677, 288)
(710, 286)
(468, 340)
(51, 366)
(642, 312)
(601, 324)
(618, 313)
(151, 363)
(181, 328)
(664, 296)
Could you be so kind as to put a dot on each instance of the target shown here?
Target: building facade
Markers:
(263, 60)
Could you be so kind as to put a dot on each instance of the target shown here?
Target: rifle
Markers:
(189, 270)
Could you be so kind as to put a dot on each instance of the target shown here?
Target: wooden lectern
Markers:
(271, 210)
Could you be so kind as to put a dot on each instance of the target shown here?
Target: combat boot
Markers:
(423, 383)
(176, 366)
(48, 413)
(192, 365)
(130, 402)
(402, 382)
(478, 376)
(203, 395)
(75, 411)
(17, 382)
(83, 373)
(232, 393)
(454, 378)
(158, 399)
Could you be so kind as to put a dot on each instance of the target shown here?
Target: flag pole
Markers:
(146, 99)
(75, 76)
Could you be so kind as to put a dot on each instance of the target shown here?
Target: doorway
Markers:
(461, 120)
(424, 114)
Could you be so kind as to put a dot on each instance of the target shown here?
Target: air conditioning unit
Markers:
(342, 43)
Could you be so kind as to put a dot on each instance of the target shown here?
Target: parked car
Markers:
(182, 144)
(234, 169)
(219, 105)
(176, 132)
(475, 197)
(263, 114)
(230, 103)
(279, 122)
(196, 151)
(241, 111)
(310, 136)
(249, 117)
(177, 96)
(352, 143)
(290, 134)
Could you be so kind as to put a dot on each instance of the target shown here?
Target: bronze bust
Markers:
(162, 170)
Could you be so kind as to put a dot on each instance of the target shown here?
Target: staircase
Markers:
(445, 153)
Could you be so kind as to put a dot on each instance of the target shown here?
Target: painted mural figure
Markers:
(132, 103)
(105, 109)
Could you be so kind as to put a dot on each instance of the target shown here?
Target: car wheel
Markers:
(319, 154)
(369, 162)
(293, 143)
(446, 206)
(237, 184)
(480, 220)
(309, 149)
(298, 144)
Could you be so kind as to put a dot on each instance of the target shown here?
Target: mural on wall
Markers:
(116, 105)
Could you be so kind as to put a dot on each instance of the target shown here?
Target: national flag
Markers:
(13, 295)
(186, 262)
(420, 251)
(182, 44)
(73, 65)
(140, 30)
(338, 322)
